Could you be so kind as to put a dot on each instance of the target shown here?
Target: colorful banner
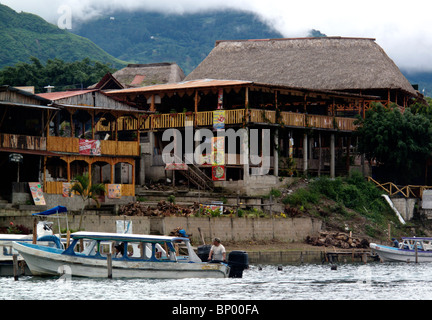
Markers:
(220, 99)
(219, 119)
(218, 151)
(218, 173)
(114, 191)
(90, 147)
(66, 190)
(37, 193)
(205, 160)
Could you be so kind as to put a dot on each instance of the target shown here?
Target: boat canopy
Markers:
(124, 237)
(55, 210)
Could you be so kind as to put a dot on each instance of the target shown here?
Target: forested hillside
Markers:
(24, 35)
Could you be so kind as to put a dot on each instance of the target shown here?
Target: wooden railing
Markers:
(108, 147)
(56, 187)
(406, 191)
(236, 116)
(119, 148)
(14, 141)
(62, 144)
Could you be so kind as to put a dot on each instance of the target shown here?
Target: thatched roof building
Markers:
(140, 75)
(334, 63)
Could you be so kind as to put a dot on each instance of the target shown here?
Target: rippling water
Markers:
(304, 282)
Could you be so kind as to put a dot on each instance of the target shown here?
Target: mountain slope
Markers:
(24, 35)
(148, 37)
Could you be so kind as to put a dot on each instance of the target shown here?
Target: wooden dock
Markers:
(354, 255)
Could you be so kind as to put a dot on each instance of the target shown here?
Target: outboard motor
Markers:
(203, 252)
(237, 261)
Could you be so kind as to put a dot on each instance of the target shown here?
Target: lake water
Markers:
(383, 281)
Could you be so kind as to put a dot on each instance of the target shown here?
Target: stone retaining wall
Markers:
(226, 228)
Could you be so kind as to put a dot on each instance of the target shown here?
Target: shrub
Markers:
(302, 197)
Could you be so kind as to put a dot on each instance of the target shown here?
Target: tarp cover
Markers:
(58, 209)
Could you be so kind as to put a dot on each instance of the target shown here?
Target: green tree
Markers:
(399, 142)
(56, 72)
(87, 191)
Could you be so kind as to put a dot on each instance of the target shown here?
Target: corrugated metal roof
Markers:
(64, 94)
(193, 84)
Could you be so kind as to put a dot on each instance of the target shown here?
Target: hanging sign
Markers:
(218, 151)
(220, 99)
(219, 119)
(114, 191)
(37, 193)
(16, 157)
(218, 173)
(90, 147)
(66, 190)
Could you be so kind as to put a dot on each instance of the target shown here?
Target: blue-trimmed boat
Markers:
(406, 250)
(137, 256)
(44, 235)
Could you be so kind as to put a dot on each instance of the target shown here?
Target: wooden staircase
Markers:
(196, 176)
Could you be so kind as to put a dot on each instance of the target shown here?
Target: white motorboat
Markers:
(139, 256)
(410, 249)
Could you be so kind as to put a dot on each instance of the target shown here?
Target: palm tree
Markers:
(87, 191)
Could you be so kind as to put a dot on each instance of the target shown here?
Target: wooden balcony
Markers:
(14, 141)
(233, 117)
(56, 187)
(108, 147)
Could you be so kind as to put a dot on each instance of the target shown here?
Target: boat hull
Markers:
(51, 262)
(392, 254)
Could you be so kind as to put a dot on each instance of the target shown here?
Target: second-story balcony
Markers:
(107, 147)
(238, 117)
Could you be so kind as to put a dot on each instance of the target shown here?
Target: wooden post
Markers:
(72, 125)
(348, 155)
(305, 153)
(332, 156)
(152, 105)
(93, 125)
(68, 171)
(109, 265)
(320, 154)
(416, 252)
(15, 266)
(44, 173)
(247, 105)
(68, 234)
(196, 108)
(201, 235)
(34, 231)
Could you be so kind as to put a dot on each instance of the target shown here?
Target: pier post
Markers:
(15, 266)
(109, 265)
(332, 156)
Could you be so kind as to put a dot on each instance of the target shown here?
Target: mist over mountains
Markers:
(138, 36)
(149, 37)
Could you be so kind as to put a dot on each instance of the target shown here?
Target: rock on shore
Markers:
(338, 240)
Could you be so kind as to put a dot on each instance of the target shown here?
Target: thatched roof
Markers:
(315, 63)
(140, 75)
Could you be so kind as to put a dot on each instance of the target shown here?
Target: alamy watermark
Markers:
(212, 146)
(65, 19)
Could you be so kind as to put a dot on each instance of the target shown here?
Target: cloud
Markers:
(401, 28)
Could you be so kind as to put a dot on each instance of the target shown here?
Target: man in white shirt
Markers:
(217, 250)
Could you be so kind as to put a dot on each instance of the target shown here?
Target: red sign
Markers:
(90, 147)
(218, 173)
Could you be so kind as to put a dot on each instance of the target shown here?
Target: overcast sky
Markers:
(402, 28)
